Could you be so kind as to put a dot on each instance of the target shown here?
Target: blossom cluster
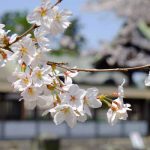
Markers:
(45, 86)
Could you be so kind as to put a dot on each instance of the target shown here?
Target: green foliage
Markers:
(61, 52)
(78, 40)
(145, 29)
(15, 21)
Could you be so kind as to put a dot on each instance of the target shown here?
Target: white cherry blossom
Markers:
(68, 75)
(90, 100)
(40, 57)
(12, 38)
(51, 102)
(118, 110)
(41, 39)
(48, 89)
(41, 76)
(31, 93)
(4, 38)
(38, 102)
(63, 113)
(24, 80)
(40, 14)
(32, 98)
(147, 80)
(74, 96)
(4, 55)
(24, 50)
(58, 22)
(81, 117)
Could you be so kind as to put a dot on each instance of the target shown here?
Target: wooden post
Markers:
(146, 113)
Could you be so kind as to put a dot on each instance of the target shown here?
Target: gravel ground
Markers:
(18, 145)
(100, 144)
(76, 144)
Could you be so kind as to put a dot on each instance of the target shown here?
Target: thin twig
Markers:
(106, 70)
(57, 3)
(56, 63)
(25, 33)
(66, 68)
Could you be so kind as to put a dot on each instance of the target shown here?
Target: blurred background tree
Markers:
(15, 21)
(72, 40)
(131, 47)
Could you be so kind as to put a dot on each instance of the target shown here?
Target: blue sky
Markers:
(96, 26)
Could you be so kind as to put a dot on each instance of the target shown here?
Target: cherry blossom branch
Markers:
(102, 70)
(29, 30)
(34, 26)
(42, 86)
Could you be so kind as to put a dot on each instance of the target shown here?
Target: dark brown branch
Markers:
(57, 3)
(25, 33)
